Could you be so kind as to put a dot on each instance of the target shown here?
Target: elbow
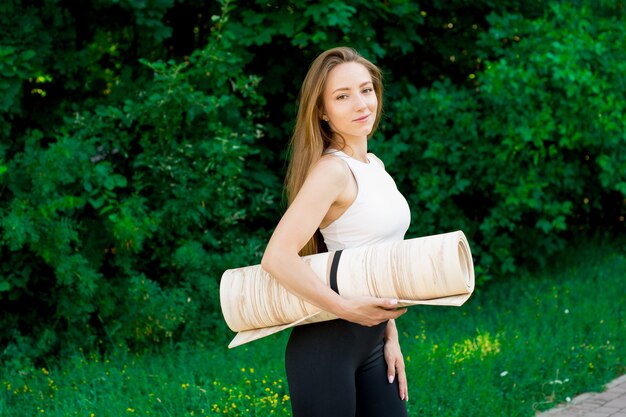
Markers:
(276, 258)
(268, 261)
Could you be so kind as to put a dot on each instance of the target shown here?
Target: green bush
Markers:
(143, 145)
(120, 218)
(554, 106)
(534, 154)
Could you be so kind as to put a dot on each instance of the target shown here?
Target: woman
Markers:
(340, 193)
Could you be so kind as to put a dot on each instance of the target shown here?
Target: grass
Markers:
(520, 345)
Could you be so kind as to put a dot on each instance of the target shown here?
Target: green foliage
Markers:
(142, 145)
(530, 155)
(128, 212)
(553, 115)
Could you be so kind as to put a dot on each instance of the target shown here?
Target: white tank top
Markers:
(378, 214)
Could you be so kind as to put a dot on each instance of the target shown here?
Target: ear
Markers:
(322, 115)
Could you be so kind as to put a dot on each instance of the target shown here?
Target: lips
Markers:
(362, 119)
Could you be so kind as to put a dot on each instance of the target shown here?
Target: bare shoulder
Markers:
(331, 168)
(377, 159)
(325, 183)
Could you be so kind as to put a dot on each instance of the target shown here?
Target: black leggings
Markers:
(337, 369)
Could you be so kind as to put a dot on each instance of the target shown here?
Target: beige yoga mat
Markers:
(435, 270)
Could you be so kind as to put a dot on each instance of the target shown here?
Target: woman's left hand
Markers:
(395, 366)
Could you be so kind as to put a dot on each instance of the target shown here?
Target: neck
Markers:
(357, 148)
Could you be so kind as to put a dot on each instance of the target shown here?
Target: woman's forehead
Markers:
(347, 75)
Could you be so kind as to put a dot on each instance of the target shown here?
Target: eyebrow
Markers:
(347, 88)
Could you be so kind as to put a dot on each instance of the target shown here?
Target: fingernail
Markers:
(390, 378)
(394, 302)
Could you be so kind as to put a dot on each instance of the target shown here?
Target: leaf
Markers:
(4, 285)
(544, 225)
(28, 54)
(96, 202)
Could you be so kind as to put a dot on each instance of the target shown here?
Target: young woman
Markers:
(340, 196)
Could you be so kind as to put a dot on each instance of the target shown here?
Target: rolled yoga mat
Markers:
(435, 270)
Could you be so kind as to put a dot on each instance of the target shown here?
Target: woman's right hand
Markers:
(370, 311)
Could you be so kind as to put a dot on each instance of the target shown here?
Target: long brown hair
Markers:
(311, 134)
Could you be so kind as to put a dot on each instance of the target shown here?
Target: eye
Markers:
(341, 97)
(368, 90)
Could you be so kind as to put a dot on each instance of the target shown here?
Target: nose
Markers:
(359, 102)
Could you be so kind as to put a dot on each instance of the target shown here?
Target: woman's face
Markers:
(350, 101)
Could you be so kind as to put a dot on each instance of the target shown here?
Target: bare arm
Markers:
(325, 185)
(395, 360)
